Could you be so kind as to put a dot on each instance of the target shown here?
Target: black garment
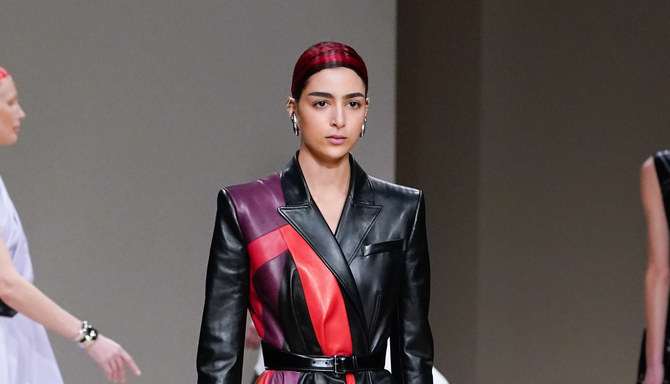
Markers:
(273, 252)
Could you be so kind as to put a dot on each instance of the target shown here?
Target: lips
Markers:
(336, 139)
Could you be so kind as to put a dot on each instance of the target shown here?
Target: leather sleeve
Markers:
(411, 339)
(221, 343)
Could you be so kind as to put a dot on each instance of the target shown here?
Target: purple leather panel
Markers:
(284, 377)
(260, 198)
(266, 281)
(273, 333)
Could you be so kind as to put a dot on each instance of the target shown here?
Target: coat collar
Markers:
(336, 251)
(296, 191)
(358, 214)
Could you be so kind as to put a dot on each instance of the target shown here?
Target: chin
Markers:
(338, 154)
(6, 142)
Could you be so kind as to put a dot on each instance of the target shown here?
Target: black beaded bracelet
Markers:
(87, 335)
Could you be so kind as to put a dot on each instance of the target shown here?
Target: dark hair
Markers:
(328, 54)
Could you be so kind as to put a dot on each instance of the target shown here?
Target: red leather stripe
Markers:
(265, 377)
(265, 248)
(322, 293)
(262, 250)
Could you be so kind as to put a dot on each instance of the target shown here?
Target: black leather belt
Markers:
(286, 361)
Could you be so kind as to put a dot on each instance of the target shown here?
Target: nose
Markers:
(338, 119)
(21, 114)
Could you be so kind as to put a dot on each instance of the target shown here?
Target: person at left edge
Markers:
(26, 356)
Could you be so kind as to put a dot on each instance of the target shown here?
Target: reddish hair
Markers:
(328, 54)
(3, 73)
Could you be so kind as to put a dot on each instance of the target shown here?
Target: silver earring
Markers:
(296, 129)
(365, 121)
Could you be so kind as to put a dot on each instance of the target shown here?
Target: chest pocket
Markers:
(377, 271)
(391, 246)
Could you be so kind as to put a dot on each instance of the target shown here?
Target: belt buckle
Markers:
(338, 361)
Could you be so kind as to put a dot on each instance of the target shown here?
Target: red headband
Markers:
(328, 54)
(3, 73)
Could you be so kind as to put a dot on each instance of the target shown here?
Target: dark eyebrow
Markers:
(321, 94)
(330, 96)
(355, 94)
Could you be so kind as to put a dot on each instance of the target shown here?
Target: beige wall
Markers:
(544, 257)
(138, 112)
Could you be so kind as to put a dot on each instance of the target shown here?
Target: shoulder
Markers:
(656, 167)
(652, 162)
(269, 184)
(648, 168)
(649, 183)
(255, 205)
(402, 190)
(384, 190)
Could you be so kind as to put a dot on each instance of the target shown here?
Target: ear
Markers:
(291, 106)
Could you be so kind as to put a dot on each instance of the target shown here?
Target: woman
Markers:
(330, 261)
(655, 186)
(25, 352)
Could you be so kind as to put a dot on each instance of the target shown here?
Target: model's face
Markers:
(11, 113)
(330, 114)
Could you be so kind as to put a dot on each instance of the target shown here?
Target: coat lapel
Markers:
(357, 217)
(359, 214)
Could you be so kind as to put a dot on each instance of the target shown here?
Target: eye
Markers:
(354, 104)
(320, 104)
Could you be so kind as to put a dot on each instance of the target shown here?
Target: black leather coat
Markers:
(312, 292)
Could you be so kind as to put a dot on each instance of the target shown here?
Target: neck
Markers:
(325, 178)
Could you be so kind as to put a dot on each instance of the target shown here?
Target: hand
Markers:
(654, 375)
(112, 358)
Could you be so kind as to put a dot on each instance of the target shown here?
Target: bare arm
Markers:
(24, 297)
(658, 271)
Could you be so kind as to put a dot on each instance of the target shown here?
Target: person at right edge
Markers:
(655, 187)
(329, 261)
